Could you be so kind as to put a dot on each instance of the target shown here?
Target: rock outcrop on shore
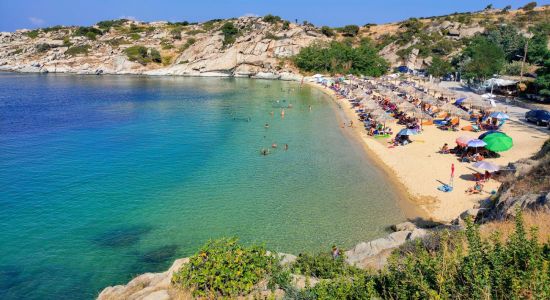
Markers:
(259, 50)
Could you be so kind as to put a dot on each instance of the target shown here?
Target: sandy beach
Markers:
(421, 169)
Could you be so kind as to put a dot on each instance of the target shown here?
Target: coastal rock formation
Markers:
(258, 51)
(148, 286)
(374, 254)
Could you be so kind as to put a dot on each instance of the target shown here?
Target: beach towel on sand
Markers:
(445, 188)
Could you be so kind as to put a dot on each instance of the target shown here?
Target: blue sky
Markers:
(16, 14)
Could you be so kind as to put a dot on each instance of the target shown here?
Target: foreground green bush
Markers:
(225, 268)
(453, 265)
(322, 265)
(338, 57)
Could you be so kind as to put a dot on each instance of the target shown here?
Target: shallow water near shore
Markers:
(106, 177)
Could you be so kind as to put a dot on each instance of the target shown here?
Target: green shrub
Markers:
(176, 33)
(154, 54)
(43, 47)
(286, 25)
(340, 57)
(52, 28)
(166, 45)
(117, 42)
(195, 31)
(188, 43)
(89, 32)
(355, 287)
(327, 31)
(67, 42)
(230, 33)
(271, 19)
(32, 34)
(209, 25)
(135, 36)
(322, 265)
(225, 268)
(77, 50)
(138, 54)
(350, 30)
(529, 6)
(106, 25)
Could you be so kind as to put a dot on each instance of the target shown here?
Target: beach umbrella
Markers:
(498, 142)
(463, 140)
(371, 105)
(407, 131)
(485, 165)
(429, 100)
(482, 136)
(461, 100)
(378, 112)
(384, 118)
(476, 143)
(405, 105)
(500, 115)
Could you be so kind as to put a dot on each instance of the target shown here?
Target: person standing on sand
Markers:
(451, 182)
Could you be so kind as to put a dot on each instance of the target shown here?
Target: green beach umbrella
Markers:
(498, 142)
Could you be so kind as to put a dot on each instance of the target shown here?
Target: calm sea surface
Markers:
(106, 177)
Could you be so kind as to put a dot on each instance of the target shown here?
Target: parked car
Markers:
(538, 116)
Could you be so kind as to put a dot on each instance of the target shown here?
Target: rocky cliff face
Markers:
(260, 49)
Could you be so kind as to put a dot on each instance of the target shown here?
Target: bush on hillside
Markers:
(225, 268)
(322, 265)
(89, 32)
(327, 31)
(108, 24)
(271, 19)
(143, 55)
(77, 50)
(229, 33)
(350, 30)
(529, 6)
(338, 57)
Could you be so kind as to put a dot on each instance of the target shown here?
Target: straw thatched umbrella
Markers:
(378, 112)
(384, 118)
(405, 105)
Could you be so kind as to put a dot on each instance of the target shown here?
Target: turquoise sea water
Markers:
(103, 178)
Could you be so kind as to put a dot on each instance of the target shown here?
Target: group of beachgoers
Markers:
(279, 104)
(378, 102)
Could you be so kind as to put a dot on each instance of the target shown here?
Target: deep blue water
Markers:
(106, 177)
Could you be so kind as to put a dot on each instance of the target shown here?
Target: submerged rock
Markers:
(122, 236)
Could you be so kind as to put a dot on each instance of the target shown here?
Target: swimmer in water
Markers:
(274, 145)
(283, 113)
(271, 113)
(310, 108)
(264, 151)
(266, 125)
(286, 147)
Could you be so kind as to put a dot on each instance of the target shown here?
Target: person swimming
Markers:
(264, 151)
(274, 145)
(266, 125)
(283, 113)
(286, 147)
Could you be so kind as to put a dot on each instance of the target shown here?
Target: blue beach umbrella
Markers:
(459, 101)
(500, 116)
(476, 143)
(407, 131)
